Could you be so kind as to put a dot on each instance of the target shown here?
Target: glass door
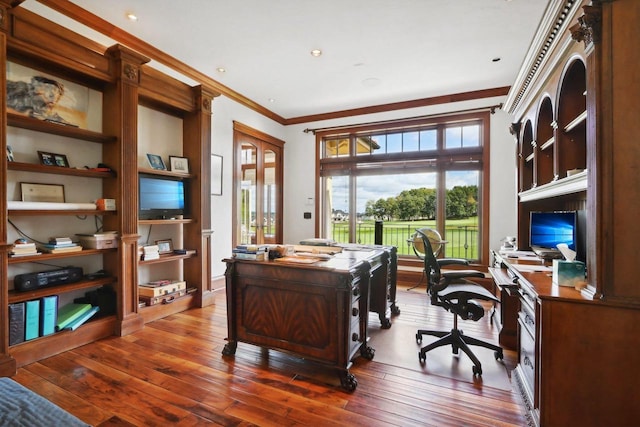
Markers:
(258, 184)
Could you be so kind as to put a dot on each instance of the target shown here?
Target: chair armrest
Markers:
(451, 261)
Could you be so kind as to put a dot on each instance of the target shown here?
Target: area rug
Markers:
(21, 407)
(400, 349)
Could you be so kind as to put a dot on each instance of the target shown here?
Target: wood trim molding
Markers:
(403, 105)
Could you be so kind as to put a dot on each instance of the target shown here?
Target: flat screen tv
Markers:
(547, 229)
(160, 197)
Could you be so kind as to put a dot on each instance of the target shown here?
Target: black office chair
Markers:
(456, 294)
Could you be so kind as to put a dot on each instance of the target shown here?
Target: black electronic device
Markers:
(161, 197)
(31, 281)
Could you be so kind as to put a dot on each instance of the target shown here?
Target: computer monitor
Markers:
(548, 229)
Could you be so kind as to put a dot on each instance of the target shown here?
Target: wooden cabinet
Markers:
(115, 82)
(577, 150)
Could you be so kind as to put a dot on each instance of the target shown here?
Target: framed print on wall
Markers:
(216, 175)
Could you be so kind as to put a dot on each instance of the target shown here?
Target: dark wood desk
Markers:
(316, 311)
(382, 295)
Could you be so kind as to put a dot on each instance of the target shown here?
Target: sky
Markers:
(385, 186)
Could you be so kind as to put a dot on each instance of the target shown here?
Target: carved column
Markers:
(120, 118)
(197, 146)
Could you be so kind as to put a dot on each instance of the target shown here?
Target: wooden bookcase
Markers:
(573, 105)
(122, 82)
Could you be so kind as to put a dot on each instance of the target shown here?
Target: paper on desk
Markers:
(532, 268)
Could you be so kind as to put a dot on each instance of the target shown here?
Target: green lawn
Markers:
(461, 235)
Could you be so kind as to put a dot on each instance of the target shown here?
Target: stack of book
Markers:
(73, 315)
(24, 249)
(58, 245)
(150, 252)
(251, 252)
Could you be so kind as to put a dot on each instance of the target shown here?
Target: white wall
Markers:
(299, 169)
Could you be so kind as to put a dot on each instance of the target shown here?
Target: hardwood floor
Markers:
(173, 373)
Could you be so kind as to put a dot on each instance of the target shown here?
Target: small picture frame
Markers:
(156, 162)
(165, 246)
(10, 154)
(32, 192)
(179, 164)
(53, 159)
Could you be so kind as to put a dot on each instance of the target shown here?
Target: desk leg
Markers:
(230, 348)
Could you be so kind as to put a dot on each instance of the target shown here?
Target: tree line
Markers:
(420, 204)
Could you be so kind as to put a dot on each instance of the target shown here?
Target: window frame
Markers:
(440, 159)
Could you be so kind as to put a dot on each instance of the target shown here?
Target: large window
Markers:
(407, 175)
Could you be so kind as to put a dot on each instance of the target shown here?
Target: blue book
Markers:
(82, 319)
(32, 320)
(48, 315)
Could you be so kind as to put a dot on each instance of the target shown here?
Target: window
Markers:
(417, 173)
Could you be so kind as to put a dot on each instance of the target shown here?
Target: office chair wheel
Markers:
(498, 354)
(418, 338)
(422, 357)
(477, 370)
(455, 349)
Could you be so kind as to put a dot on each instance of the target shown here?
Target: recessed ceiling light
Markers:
(132, 16)
(221, 70)
(316, 52)
(272, 100)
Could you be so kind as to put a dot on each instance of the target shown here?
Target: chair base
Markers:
(458, 341)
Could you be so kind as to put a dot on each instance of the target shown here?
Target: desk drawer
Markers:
(528, 319)
(527, 356)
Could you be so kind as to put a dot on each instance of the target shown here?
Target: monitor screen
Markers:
(547, 229)
(160, 197)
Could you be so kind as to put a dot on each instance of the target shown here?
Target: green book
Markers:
(69, 313)
(82, 319)
(32, 320)
(48, 315)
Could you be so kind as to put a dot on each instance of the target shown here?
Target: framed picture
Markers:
(179, 164)
(45, 97)
(156, 162)
(165, 246)
(42, 192)
(216, 175)
(53, 159)
(9, 153)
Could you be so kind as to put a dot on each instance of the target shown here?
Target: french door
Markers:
(257, 187)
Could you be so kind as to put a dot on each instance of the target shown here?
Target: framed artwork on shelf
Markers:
(156, 162)
(216, 175)
(10, 154)
(179, 164)
(53, 159)
(32, 192)
(165, 246)
(46, 97)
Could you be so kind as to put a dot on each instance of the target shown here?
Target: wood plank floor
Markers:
(173, 373)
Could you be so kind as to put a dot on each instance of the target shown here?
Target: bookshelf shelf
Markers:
(15, 296)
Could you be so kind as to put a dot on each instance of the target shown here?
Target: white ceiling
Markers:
(374, 51)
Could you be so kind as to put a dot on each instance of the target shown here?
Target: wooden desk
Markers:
(316, 311)
(382, 295)
(577, 357)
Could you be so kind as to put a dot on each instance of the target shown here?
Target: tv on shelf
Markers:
(161, 197)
